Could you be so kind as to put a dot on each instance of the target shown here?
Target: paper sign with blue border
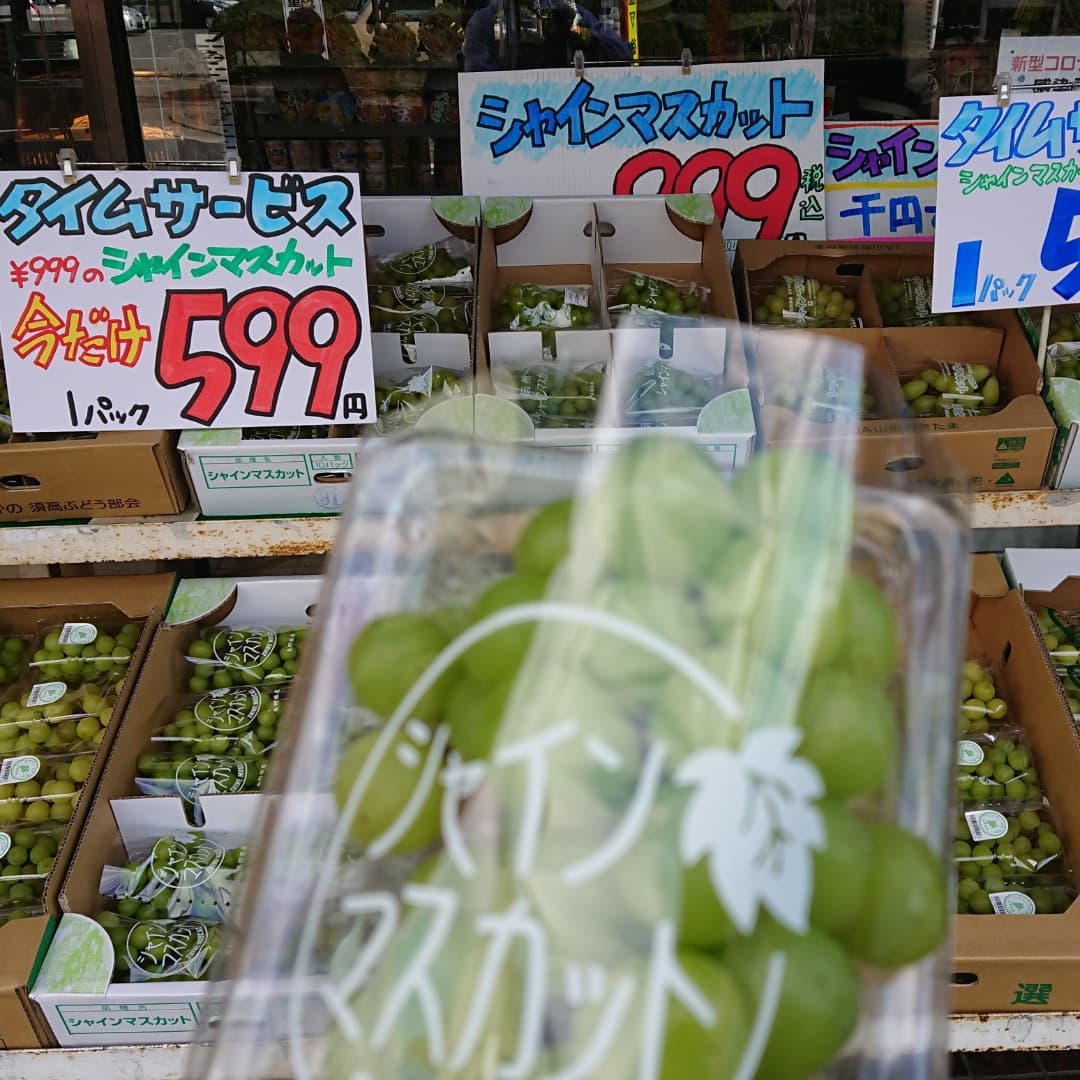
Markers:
(880, 179)
(1008, 202)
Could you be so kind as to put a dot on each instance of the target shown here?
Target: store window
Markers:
(42, 96)
(304, 84)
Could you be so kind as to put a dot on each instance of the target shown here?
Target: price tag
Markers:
(1008, 202)
(180, 300)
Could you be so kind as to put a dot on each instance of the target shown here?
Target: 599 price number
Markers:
(267, 332)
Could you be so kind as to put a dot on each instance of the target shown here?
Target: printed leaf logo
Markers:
(763, 858)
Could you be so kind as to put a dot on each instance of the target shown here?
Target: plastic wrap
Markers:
(26, 861)
(181, 875)
(798, 302)
(64, 720)
(983, 707)
(226, 656)
(14, 656)
(84, 652)
(997, 771)
(447, 263)
(37, 788)
(555, 394)
(953, 390)
(642, 294)
(612, 765)
(167, 950)
(907, 302)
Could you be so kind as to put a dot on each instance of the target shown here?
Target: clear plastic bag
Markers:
(160, 950)
(225, 656)
(448, 263)
(635, 294)
(997, 771)
(181, 875)
(798, 302)
(613, 764)
(14, 657)
(64, 720)
(84, 652)
(983, 706)
(38, 788)
(907, 302)
(543, 307)
(554, 394)
(1016, 843)
(401, 400)
(953, 390)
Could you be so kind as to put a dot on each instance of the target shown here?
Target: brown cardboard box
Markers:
(1031, 962)
(24, 606)
(1004, 451)
(111, 474)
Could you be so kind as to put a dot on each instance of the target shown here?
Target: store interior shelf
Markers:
(282, 129)
(974, 1034)
(183, 537)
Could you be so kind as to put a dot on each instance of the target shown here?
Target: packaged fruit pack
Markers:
(907, 302)
(14, 656)
(798, 302)
(544, 308)
(953, 390)
(1005, 895)
(84, 652)
(555, 394)
(160, 950)
(63, 720)
(664, 743)
(170, 767)
(834, 395)
(26, 861)
(983, 707)
(992, 771)
(642, 294)
(1014, 843)
(36, 788)
(448, 263)
(1061, 636)
(663, 394)
(224, 656)
(181, 875)
(1063, 352)
(401, 399)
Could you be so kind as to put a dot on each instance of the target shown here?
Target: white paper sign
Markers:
(748, 134)
(1008, 202)
(880, 179)
(173, 300)
(1040, 63)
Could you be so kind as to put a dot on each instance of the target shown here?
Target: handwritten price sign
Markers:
(166, 300)
(750, 135)
(1008, 202)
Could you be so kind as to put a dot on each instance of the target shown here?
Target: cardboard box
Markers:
(80, 1002)
(110, 474)
(24, 605)
(236, 476)
(1004, 451)
(1031, 962)
(117, 815)
(599, 243)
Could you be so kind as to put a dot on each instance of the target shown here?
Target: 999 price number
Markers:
(267, 332)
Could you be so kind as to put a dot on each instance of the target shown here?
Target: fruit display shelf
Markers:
(981, 1033)
(184, 536)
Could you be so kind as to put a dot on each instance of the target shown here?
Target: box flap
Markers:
(228, 819)
(987, 578)
(259, 601)
(136, 595)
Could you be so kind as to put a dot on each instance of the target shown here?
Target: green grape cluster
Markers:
(1060, 632)
(1030, 845)
(50, 794)
(421, 310)
(172, 769)
(655, 294)
(952, 390)
(678, 547)
(555, 398)
(235, 656)
(29, 854)
(662, 386)
(172, 880)
(76, 721)
(1049, 895)
(13, 659)
(173, 950)
(981, 707)
(541, 307)
(1006, 773)
(211, 724)
(402, 402)
(831, 394)
(432, 262)
(907, 302)
(104, 660)
(806, 302)
(1064, 329)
